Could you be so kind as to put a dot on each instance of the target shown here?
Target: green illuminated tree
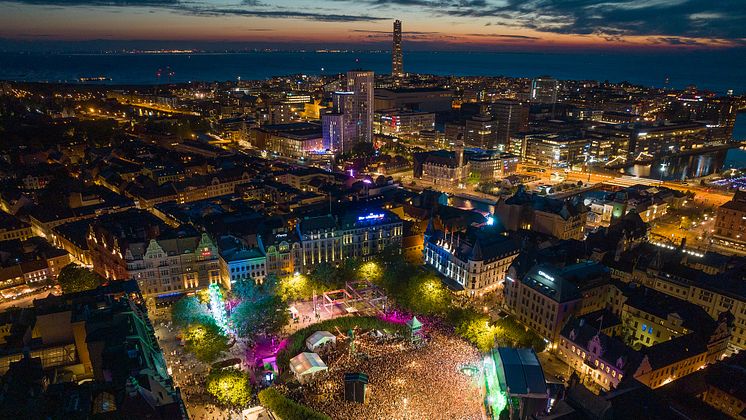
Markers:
(264, 316)
(205, 340)
(295, 287)
(479, 332)
(74, 278)
(188, 310)
(230, 387)
(246, 289)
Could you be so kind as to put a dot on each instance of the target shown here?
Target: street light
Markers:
(664, 165)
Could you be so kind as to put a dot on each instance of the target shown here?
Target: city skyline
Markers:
(464, 25)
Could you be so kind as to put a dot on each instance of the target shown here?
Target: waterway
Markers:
(679, 168)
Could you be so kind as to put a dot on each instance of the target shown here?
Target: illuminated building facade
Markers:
(511, 117)
(546, 297)
(563, 219)
(442, 167)
(239, 262)
(554, 150)
(480, 131)
(730, 223)
(292, 140)
(397, 64)
(489, 165)
(544, 90)
(662, 139)
(401, 122)
(135, 245)
(330, 239)
(475, 262)
(361, 84)
(339, 129)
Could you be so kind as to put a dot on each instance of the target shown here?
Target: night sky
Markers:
(428, 24)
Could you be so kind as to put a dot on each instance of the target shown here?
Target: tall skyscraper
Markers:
(360, 83)
(339, 130)
(511, 117)
(544, 90)
(397, 65)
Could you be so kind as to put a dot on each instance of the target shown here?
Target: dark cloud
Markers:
(201, 9)
(434, 4)
(119, 3)
(676, 19)
(672, 40)
(277, 14)
(507, 36)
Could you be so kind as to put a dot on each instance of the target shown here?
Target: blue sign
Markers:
(371, 216)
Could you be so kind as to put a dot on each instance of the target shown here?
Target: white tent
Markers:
(306, 365)
(320, 339)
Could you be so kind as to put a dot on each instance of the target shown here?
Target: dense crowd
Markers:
(190, 374)
(406, 382)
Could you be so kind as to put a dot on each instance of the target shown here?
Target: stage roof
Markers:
(520, 372)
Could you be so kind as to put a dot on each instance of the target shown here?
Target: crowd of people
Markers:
(406, 381)
(190, 375)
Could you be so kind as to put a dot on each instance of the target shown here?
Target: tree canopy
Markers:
(188, 310)
(205, 340)
(286, 408)
(230, 386)
(74, 278)
(265, 315)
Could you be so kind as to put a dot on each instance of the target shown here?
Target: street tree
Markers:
(230, 387)
(205, 340)
(74, 278)
(188, 310)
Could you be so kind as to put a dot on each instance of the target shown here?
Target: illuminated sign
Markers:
(546, 276)
(371, 216)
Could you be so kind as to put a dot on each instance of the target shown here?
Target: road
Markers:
(25, 301)
(673, 228)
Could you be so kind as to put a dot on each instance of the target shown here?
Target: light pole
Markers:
(664, 165)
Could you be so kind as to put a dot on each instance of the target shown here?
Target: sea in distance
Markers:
(715, 70)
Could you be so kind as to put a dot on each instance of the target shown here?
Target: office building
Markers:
(301, 139)
(474, 262)
(136, 245)
(511, 117)
(353, 234)
(547, 296)
(554, 150)
(563, 219)
(480, 131)
(442, 167)
(361, 84)
(339, 129)
(730, 223)
(544, 90)
(397, 65)
(491, 165)
(238, 261)
(416, 99)
(397, 122)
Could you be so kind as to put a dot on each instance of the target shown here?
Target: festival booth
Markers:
(320, 339)
(306, 365)
(415, 330)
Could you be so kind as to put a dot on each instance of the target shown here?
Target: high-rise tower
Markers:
(397, 66)
(360, 83)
